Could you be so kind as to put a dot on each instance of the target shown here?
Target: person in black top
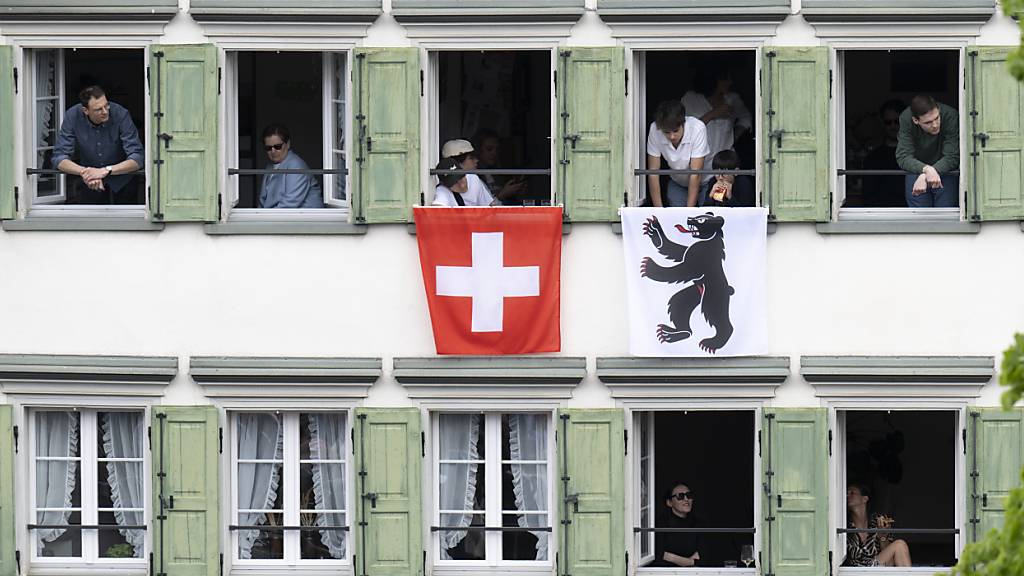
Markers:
(678, 548)
(727, 190)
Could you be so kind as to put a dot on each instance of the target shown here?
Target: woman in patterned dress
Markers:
(875, 549)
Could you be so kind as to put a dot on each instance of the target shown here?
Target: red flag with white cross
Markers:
(492, 277)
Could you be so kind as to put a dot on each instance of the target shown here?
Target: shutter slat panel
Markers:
(8, 179)
(997, 171)
(8, 566)
(998, 449)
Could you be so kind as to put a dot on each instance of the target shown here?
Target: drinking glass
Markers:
(747, 555)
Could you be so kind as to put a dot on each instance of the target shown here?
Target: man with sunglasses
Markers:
(673, 549)
(929, 148)
(287, 190)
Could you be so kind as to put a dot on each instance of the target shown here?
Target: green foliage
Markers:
(1001, 552)
(1015, 62)
(120, 551)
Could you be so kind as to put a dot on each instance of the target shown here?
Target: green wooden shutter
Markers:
(7, 177)
(591, 454)
(591, 133)
(994, 190)
(994, 464)
(185, 479)
(7, 543)
(796, 134)
(795, 468)
(388, 502)
(185, 109)
(387, 167)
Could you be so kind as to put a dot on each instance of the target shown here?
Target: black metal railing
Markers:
(271, 528)
(686, 171)
(79, 527)
(897, 530)
(489, 529)
(638, 529)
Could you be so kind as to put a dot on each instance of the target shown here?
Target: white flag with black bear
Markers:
(695, 281)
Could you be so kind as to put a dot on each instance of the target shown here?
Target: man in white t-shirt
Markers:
(462, 153)
(454, 190)
(683, 142)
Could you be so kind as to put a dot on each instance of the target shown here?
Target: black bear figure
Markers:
(700, 269)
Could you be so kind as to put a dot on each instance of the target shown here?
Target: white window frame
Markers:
(431, 153)
(493, 482)
(334, 210)
(90, 562)
(25, 108)
(837, 474)
(289, 477)
(837, 137)
(637, 59)
(636, 415)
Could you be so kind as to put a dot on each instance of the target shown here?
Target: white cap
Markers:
(454, 148)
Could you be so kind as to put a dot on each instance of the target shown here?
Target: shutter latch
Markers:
(166, 138)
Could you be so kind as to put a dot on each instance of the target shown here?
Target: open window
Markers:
(500, 101)
(306, 93)
(493, 489)
(55, 76)
(676, 448)
(717, 86)
(906, 461)
(874, 88)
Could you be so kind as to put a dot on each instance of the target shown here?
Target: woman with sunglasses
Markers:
(678, 548)
(287, 190)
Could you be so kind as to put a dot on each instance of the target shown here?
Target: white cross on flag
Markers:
(492, 278)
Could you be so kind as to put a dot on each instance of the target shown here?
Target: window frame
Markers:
(492, 476)
(90, 559)
(290, 473)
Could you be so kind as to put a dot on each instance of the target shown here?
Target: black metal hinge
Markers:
(220, 78)
(829, 563)
(220, 440)
(555, 77)
(758, 443)
(149, 437)
(830, 443)
(625, 441)
(424, 564)
(17, 560)
(829, 83)
(15, 72)
(963, 435)
(220, 204)
(14, 431)
(627, 563)
(423, 444)
(626, 75)
(421, 83)
(220, 569)
(352, 439)
(15, 197)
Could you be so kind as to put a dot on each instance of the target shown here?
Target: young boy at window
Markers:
(287, 190)
(683, 142)
(727, 190)
(454, 189)
(462, 152)
(673, 549)
(928, 146)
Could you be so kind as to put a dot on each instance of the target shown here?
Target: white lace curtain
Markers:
(122, 438)
(260, 437)
(528, 440)
(327, 442)
(56, 437)
(459, 434)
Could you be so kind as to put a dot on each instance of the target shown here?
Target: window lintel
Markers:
(86, 375)
(690, 378)
(895, 376)
(542, 380)
(246, 377)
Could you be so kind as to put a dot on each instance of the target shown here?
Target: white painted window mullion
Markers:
(89, 479)
(290, 487)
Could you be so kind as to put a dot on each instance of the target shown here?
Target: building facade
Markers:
(192, 384)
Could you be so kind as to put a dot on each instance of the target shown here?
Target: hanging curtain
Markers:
(327, 442)
(122, 438)
(57, 437)
(528, 440)
(459, 435)
(260, 437)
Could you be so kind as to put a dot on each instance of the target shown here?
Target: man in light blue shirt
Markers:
(99, 143)
(287, 190)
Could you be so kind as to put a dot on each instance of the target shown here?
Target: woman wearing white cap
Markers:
(461, 153)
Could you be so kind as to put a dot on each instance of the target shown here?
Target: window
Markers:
(306, 93)
(494, 483)
(716, 87)
(673, 452)
(56, 76)
(289, 483)
(88, 471)
(875, 87)
(906, 463)
(501, 102)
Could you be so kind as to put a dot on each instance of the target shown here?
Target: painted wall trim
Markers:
(87, 375)
(536, 381)
(898, 227)
(284, 228)
(691, 378)
(82, 225)
(247, 377)
(898, 376)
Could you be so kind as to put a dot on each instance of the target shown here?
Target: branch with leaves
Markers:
(1015, 62)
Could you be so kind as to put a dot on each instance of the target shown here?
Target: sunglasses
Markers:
(274, 147)
(683, 496)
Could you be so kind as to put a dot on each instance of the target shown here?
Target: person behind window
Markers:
(462, 152)
(678, 548)
(928, 146)
(727, 190)
(287, 190)
(488, 156)
(682, 141)
(105, 145)
(875, 549)
(718, 107)
(455, 190)
(885, 191)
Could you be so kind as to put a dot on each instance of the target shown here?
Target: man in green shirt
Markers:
(928, 146)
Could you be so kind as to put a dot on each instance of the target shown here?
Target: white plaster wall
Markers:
(180, 292)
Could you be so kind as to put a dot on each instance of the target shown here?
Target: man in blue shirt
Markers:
(99, 143)
(287, 190)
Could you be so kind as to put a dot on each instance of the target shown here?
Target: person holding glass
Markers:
(874, 549)
(673, 549)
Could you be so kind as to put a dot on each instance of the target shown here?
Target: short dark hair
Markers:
(88, 93)
(922, 104)
(895, 105)
(669, 115)
(708, 75)
(462, 157)
(861, 487)
(484, 134)
(449, 180)
(672, 486)
(279, 130)
(726, 159)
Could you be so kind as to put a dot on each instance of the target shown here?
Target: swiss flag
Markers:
(492, 277)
